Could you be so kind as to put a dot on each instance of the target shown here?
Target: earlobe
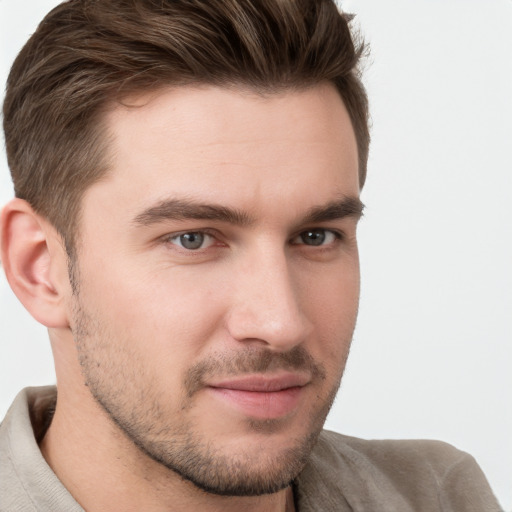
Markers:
(35, 263)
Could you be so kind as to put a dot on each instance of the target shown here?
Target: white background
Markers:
(432, 352)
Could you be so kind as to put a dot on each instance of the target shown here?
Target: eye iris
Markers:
(313, 237)
(192, 240)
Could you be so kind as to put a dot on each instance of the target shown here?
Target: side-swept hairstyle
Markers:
(87, 54)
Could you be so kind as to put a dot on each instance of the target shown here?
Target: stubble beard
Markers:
(128, 395)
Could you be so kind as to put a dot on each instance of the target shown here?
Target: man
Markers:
(188, 178)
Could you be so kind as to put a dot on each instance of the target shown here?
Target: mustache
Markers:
(251, 361)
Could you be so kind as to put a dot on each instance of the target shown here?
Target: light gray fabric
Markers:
(27, 483)
(343, 474)
(346, 474)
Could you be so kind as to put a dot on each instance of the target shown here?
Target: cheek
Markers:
(331, 303)
(331, 295)
(163, 318)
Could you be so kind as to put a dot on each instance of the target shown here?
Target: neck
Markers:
(104, 471)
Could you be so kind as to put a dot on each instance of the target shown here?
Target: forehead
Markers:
(228, 145)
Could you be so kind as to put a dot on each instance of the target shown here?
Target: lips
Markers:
(263, 383)
(261, 396)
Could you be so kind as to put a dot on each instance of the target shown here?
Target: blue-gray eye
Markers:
(191, 241)
(313, 237)
(316, 237)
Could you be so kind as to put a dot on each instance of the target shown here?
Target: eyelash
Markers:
(204, 232)
(337, 235)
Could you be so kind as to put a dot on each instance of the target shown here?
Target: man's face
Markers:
(217, 279)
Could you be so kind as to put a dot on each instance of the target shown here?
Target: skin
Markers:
(161, 334)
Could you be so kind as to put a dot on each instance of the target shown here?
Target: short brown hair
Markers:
(87, 53)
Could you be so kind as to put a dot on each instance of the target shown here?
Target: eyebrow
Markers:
(179, 209)
(335, 210)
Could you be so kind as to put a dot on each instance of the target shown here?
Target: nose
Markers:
(268, 305)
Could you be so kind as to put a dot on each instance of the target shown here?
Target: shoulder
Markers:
(400, 456)
(27, 483)
(395, 475)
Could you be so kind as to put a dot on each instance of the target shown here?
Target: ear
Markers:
(35, 263)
